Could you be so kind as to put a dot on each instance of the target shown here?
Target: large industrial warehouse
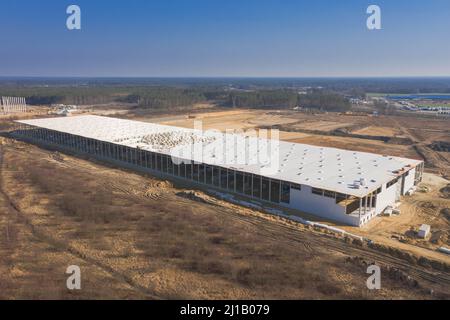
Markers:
(344, 186)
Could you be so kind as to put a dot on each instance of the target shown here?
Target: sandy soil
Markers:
(135, 236)
(379, 131)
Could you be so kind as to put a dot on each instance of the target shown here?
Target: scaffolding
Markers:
(13, 105)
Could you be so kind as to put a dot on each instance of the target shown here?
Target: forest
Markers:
(158, 97)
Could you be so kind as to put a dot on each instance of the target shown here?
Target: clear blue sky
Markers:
(293, 38)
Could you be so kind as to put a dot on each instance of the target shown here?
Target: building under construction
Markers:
(345, 186)
(13, 105)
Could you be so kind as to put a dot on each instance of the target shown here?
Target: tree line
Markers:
(166, 97)
(278, 99)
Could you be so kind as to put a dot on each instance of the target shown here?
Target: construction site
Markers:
(13, 105)
(145, 233)
(344, 186)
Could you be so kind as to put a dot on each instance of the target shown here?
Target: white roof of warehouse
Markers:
(321, 167)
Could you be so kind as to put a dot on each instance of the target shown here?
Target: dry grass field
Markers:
(139, 237)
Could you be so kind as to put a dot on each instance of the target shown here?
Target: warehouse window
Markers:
(209, 175)
(128, 152)
(141, 158)
(265, 186)
(112, 149)
(88, 145)
(223, 178)
(80, 145)
(145, 156)
(118, 154)
(391, 183)
(108, 147)
(317, 191)
(216, 176)
(256, 186)
(103, 147)
(176, 166)
(123, 157)
(158, 164)
(248, 184)
(352, 207)
(189, 170)
(154, 161)
(239, 182)
(275, 191)
(195, 171)
(329, 194)
(94, 147)
(296, 186)
(148, 159)
(135, 156)
(231, 180)
(176, 169)
(340, 197)
(112, 153)
(164, 163)
(64, 139)
(201, 173)
(121, 151)
(183, 170)
(169, 165)
(285, 192)
(138, 157)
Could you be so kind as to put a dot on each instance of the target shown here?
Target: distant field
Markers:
(437, 104)
(436, 96)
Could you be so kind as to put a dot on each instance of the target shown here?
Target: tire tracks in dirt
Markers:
(323, 242)
(61, 245)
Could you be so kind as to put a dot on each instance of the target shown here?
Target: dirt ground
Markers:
(410, 136)
(135, 236)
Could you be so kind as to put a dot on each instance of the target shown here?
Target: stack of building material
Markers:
(424, 231)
